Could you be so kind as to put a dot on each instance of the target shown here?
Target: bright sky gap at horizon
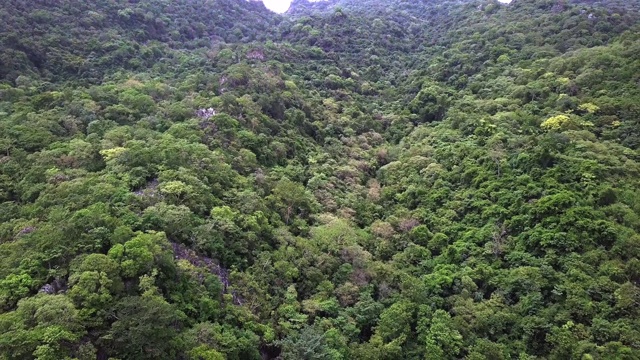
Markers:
(280, 6)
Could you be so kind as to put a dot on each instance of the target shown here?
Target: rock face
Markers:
(181, 252)
(256, 54)
(57, 286)
(205, 113)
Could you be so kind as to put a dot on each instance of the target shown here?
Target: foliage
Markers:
(352, 180)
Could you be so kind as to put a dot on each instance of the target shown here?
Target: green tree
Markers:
(144, 328)
(44, 327)
(443, 341)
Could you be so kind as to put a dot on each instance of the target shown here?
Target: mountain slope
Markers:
(82, 40)
(419, 179)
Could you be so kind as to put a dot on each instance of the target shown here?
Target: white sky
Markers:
(281, 6)
(278, 6)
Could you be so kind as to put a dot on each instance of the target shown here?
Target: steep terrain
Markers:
(352, 180)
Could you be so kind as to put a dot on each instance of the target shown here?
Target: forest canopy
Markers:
(208, 180)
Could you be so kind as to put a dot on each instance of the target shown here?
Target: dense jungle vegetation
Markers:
(356, 179)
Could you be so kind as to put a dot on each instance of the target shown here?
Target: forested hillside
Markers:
(355, 179)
